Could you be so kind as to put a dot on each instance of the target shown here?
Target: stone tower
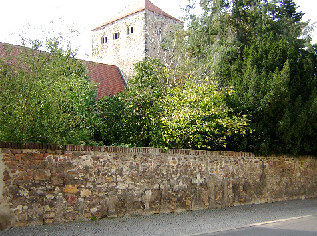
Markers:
(134, 34)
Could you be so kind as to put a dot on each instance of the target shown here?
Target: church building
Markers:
(132, 35)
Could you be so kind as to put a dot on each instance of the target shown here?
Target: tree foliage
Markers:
(44, 96)
(261, 49)
(163, 110)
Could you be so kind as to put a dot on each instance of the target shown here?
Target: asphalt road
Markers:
(303, 226)
(240, 220)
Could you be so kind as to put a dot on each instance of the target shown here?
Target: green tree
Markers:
(170, 109)
(130, 118)
(216, 40)
(45, 96)
(196, 116)
(261, 49)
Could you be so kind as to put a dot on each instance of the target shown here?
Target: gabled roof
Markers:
(137, 7)
(10, 51)
(107, 77)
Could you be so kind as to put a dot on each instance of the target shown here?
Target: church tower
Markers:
(134, 34)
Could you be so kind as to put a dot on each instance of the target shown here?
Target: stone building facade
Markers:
(134, 34)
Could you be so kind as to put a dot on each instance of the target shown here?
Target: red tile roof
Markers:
(9, 51)
(137, 7)
(107, 77)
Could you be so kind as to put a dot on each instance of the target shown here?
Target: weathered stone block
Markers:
(72, 189)
(5, 220)
(71, 199)
(85, 193)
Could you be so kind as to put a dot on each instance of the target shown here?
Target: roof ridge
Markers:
(151, 7)
(134, 8)
(108, 78)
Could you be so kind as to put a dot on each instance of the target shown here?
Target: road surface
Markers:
(240, 220)
(302, 226)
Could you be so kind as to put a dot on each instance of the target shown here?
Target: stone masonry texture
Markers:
(150, 29)
(125, 51)
(44, 184)
(160, 29)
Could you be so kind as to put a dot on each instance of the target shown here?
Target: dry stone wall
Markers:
(50, 184)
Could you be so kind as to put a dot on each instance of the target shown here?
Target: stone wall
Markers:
(159, 29)
(149, 30)
(51, 184)
(125, 51)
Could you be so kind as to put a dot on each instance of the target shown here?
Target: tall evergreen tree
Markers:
(261, 49)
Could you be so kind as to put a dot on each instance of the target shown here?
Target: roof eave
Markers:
(116, 19)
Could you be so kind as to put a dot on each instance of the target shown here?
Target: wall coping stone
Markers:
(133, 150)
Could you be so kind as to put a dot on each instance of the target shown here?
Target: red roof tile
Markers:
(137, 7)
(107, 77)
(9, 51)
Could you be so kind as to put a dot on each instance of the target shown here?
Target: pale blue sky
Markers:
(42, 18)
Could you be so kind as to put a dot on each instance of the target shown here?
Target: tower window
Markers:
(158, 30)
(104, 40)
(116, 35)
(130, 30)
